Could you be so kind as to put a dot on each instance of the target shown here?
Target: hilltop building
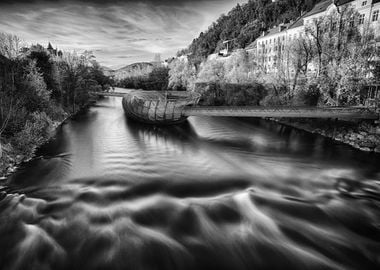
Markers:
(49, 48)
(53, 51)
(271, 46)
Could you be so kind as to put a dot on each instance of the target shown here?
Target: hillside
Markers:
(244, 23)
(132, 70)
(107, 71)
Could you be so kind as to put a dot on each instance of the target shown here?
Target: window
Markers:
(352, 23)
(364, 3)
(375, 15)
(361, 18)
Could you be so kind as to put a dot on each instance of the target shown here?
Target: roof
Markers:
(252, 45)
(276, 30)
(297, 23)
(342, 2)
(49, 46)
(320, 7)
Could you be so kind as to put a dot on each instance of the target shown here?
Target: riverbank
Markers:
(363, 135)
(11, 157)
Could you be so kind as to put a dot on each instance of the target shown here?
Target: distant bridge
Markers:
(270, 111)
(108, 94)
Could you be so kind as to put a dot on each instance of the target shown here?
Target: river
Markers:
(213, 193)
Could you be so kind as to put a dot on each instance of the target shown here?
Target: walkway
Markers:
(277, 112)
(291, 112)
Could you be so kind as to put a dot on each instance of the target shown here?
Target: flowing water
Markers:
(213, 193)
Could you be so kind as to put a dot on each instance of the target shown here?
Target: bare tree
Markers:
(315, 31)
(301, 55)
(10, 45)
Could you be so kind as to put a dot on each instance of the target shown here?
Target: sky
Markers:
(117, 32)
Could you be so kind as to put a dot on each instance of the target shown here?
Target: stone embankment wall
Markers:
(363, 135)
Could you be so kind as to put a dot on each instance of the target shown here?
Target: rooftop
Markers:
(277, 29)
(252, 45)
(297, 23)
(321, 7)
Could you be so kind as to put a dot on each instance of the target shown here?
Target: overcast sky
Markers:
(118, 32)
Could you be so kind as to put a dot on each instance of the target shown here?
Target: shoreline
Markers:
(16, 159)
(363, 136)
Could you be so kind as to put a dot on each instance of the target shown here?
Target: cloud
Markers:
(112, 29)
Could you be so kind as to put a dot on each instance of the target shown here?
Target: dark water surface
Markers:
(214, 193)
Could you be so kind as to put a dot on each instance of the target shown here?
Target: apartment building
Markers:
(272, 46)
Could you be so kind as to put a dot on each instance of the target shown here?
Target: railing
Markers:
(108, 94)
(278, 112)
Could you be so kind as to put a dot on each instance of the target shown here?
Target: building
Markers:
(53, 51)
(272, 45)
(49, 48)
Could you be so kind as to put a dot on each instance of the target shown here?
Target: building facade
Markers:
(272, 47)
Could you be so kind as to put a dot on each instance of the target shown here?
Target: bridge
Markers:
(267, 111)
(279, 111)
(108, 94)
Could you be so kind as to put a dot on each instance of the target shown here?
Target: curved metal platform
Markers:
(153, 107)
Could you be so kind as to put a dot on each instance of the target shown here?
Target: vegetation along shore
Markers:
(39, 88)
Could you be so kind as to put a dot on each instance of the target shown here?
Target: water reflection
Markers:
(213, 193)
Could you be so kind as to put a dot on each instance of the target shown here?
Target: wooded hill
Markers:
(244, 23)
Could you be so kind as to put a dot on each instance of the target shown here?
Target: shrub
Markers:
(308, 97)
(35, 132)
(229, 94)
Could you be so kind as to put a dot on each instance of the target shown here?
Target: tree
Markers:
(211, 71)
(182, 74)
(10, 45)
(343, 55)
(37, 96)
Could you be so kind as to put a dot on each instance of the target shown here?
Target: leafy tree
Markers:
(181, 74)
(38, 89)
(37, 96)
